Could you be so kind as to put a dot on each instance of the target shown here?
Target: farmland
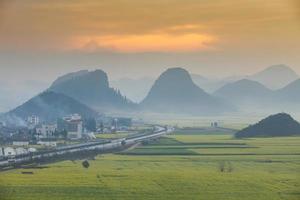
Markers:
(179, 166)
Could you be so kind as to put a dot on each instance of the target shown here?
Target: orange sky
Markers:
(142, 25)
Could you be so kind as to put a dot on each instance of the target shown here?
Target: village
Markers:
(35, 135)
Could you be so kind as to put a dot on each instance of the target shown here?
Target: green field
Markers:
(180, 166)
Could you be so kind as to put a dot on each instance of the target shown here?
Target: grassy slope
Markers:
(171, 177)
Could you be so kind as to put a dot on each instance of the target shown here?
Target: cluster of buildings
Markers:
(32, 121)
(114, 124)
(35, 133)
(74, 128)
(71, 127)
(42, 134)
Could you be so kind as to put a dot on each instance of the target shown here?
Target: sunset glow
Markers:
(145, 43)
(144, 37)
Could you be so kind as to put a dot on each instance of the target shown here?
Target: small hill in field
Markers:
(280, 124)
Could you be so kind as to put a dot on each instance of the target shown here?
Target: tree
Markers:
(63, 133)
(86, 164)
(102, 127)
(56, 133)
(222, 166)
(90, 125)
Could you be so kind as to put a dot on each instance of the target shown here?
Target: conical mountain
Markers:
(280, 124)
(92, 88)
(175, 92)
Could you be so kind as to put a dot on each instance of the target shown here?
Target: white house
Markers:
(32, 150)
(20, 143)
(9, 151)
(74, 126)
(47, 143)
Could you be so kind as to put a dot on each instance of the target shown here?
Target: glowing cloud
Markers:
(157, 42)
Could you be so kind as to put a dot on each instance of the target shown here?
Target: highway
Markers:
(99, 147)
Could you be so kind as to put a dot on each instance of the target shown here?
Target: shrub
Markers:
(222, 166)
(85, 164)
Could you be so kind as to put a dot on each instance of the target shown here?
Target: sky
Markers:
(40, 40)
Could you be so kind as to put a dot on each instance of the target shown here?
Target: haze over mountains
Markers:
(210, 85)
(273, 77)
(135, 89)
(246, 94)
(251, 95)
(16, 93)
(290, 93)
(50, 106)
(173, 92)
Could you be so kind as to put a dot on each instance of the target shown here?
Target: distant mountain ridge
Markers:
(248, 94)
(273, 77)
(280, 124)
(276, 76)
(92, 88)
(210, 85)
(174, 91)
(290, 93)
(249, 88)
(245, 93)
